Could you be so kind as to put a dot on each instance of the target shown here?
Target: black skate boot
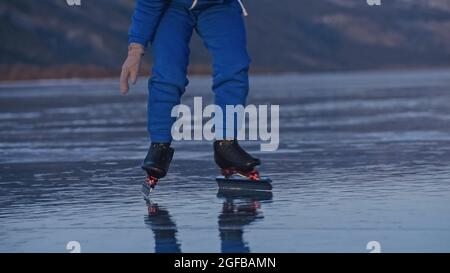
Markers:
(156, 164)
(233, 160)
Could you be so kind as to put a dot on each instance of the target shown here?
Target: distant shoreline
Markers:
(19, 72)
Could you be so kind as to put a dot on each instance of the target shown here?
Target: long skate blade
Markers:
(146, 191)
(240, 183)
(249, 195)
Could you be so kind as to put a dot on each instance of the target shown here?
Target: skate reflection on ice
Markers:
(240, 208)
(164, 229)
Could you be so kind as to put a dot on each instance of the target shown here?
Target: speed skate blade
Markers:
(146, 191)
(242, 183)
(246, 195)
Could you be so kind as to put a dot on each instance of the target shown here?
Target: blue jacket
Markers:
(147, 14)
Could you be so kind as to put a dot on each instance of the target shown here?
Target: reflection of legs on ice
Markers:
(164, 230)
(232, 220)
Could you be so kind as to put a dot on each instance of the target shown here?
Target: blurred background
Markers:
(50, 39)
(364, 149)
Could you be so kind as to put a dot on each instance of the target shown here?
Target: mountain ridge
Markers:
(286, 35)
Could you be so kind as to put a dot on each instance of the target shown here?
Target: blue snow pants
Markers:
(222, 29)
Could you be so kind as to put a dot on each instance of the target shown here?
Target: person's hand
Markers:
(130, 68)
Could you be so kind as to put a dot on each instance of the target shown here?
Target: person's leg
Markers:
(171, 57)
(170, 49)
(222, 29)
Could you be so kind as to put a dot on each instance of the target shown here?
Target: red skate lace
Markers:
(151, 181)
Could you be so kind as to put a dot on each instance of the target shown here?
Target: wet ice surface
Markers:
(363, 157)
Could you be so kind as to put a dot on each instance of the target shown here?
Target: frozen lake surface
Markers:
(363, 157)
